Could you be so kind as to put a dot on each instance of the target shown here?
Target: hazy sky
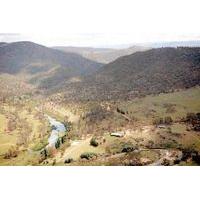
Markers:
(99, 22)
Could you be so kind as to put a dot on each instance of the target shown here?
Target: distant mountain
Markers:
(151, 72)
(107, 55)
(2, 44)
(41, 66)
(191, 43)
(103, 55)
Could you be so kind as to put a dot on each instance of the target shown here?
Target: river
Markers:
(57, 129)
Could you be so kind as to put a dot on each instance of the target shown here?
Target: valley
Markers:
(102, 55)
(59, 108)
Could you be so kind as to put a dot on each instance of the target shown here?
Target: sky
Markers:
(98, 22)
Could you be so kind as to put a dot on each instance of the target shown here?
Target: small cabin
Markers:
(118, 134)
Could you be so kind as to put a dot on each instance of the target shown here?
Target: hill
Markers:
(103, 55)
(41, 66)
(151, 72)
(2, 44)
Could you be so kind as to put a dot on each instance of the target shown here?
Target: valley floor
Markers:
(156, 130)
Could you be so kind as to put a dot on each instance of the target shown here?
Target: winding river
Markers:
(57, 129)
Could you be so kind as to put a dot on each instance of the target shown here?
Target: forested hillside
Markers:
(151, 72)
(41, 66)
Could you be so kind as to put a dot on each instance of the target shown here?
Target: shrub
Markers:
(120, 147)
(88, 155)
(54, 162)
(43, 155)
(68, 160)
(128, 147)
(93, 142)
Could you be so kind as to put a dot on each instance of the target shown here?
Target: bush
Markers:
(54, 162)
(88, 155)
(120, 147)
(43, 154)
(68, 160)
(128, 147)
(93, 142)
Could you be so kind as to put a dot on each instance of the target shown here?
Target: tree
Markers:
(57, 144)
(44, 153)
(93, 142)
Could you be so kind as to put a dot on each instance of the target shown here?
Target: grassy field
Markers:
(2, 123)
(28, 121)
(176, 105)
(79, 147)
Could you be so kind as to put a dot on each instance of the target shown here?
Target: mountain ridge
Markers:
(43, 66)
(150, 72)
